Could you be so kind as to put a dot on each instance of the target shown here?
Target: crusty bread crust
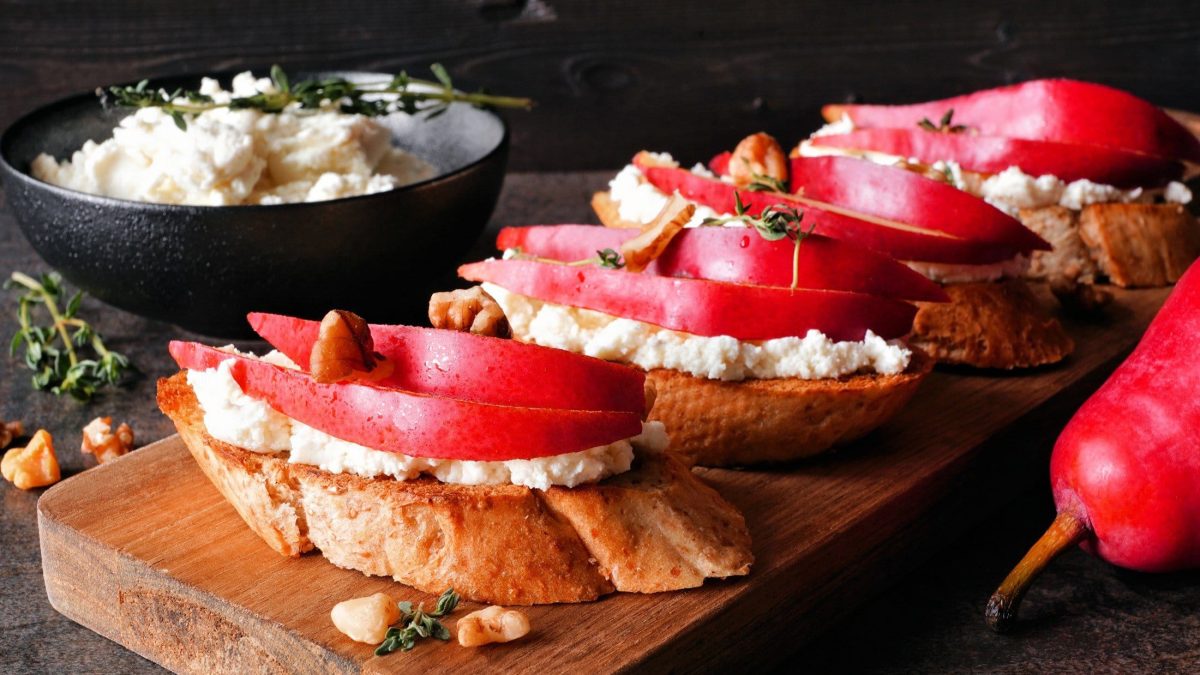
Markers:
(609, 213)
(655, 528)
(991, 325)
(1069, 261)
(1133, 245)
(716, 423)
(1140, 245)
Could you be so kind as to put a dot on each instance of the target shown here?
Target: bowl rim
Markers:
(29, 180)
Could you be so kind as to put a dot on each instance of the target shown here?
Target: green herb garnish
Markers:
(418, 624)
(944, 126)
(364, 98)
(610, 259)
(56, 353)
(761, 183)
(775, 222)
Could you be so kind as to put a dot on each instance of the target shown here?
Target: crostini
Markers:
(1093, 169)
(513, 473)
(992, 320)
(764, 343)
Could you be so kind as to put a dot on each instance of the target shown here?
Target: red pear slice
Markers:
(700, 307)
(740, 255)
(418, 425)
(476, 368)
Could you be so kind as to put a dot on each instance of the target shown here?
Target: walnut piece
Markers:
(468, 310)
(640, 251)
(100, 440)
(366, 619)
(758, 156)
(34, 465)
(10, 431)
(344, 350)
(493, 624)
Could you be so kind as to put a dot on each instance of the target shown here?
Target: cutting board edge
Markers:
(199, 632)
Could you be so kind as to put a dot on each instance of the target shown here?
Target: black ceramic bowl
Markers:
(205, 267)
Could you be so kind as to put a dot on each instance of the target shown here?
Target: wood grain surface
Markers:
(144, 551)
(615, 76)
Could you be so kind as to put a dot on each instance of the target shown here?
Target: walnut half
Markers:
(344, 350)
(468, 310)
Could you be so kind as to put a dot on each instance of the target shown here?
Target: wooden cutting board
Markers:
(144, 550)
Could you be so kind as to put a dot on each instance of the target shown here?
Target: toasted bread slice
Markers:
(655, 528)
(1070, 261)
(717, 423)
(991, 325)
(609, 213)
(1140, 245)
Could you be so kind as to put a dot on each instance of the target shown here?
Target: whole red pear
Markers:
(1126, 469)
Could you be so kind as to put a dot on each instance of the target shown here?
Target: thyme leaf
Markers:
(399, 94)
(945, 125)
(418, 624)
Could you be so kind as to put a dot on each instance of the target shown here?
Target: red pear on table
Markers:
(1126, 469)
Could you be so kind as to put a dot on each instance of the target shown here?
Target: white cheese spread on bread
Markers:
(584, 331)
(230, 415)
(228, 157)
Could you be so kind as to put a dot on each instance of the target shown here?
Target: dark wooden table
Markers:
(1083, 616)
(610, 78)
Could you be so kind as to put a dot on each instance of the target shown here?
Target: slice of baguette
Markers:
(655, 528)
(1140, 245)
(717, 423)
(609, 213)
(991, 325)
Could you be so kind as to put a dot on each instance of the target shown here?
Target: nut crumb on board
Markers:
(100, 440)
(491, 625)
(34, 465)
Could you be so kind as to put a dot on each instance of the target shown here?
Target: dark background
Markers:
(611, 78)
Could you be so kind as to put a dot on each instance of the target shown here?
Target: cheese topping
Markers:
(639, 201)
(230, 415)
(228, 157)
(647, 346)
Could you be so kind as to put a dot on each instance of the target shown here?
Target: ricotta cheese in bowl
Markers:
(227, 157)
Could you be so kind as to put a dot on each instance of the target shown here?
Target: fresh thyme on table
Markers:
(58, 354)
(418, 624)
(943, 126)
(372, 99)
(775, 222)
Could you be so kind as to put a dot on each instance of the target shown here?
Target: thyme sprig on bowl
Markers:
(401, 93)
(58, 354)
(944, 126)
(418, 624)
(775, 222)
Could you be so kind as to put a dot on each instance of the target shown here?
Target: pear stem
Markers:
(1066, 531)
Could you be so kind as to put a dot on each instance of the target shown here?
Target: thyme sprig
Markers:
(399, 94)
(944, 126)
(775, 222)
(610, 259)
(762, 183)
(418, 624)
(58, 353)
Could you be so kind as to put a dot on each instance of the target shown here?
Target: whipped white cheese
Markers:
(227, 157)
(647, 346)
(639, 201)
(238, 419)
